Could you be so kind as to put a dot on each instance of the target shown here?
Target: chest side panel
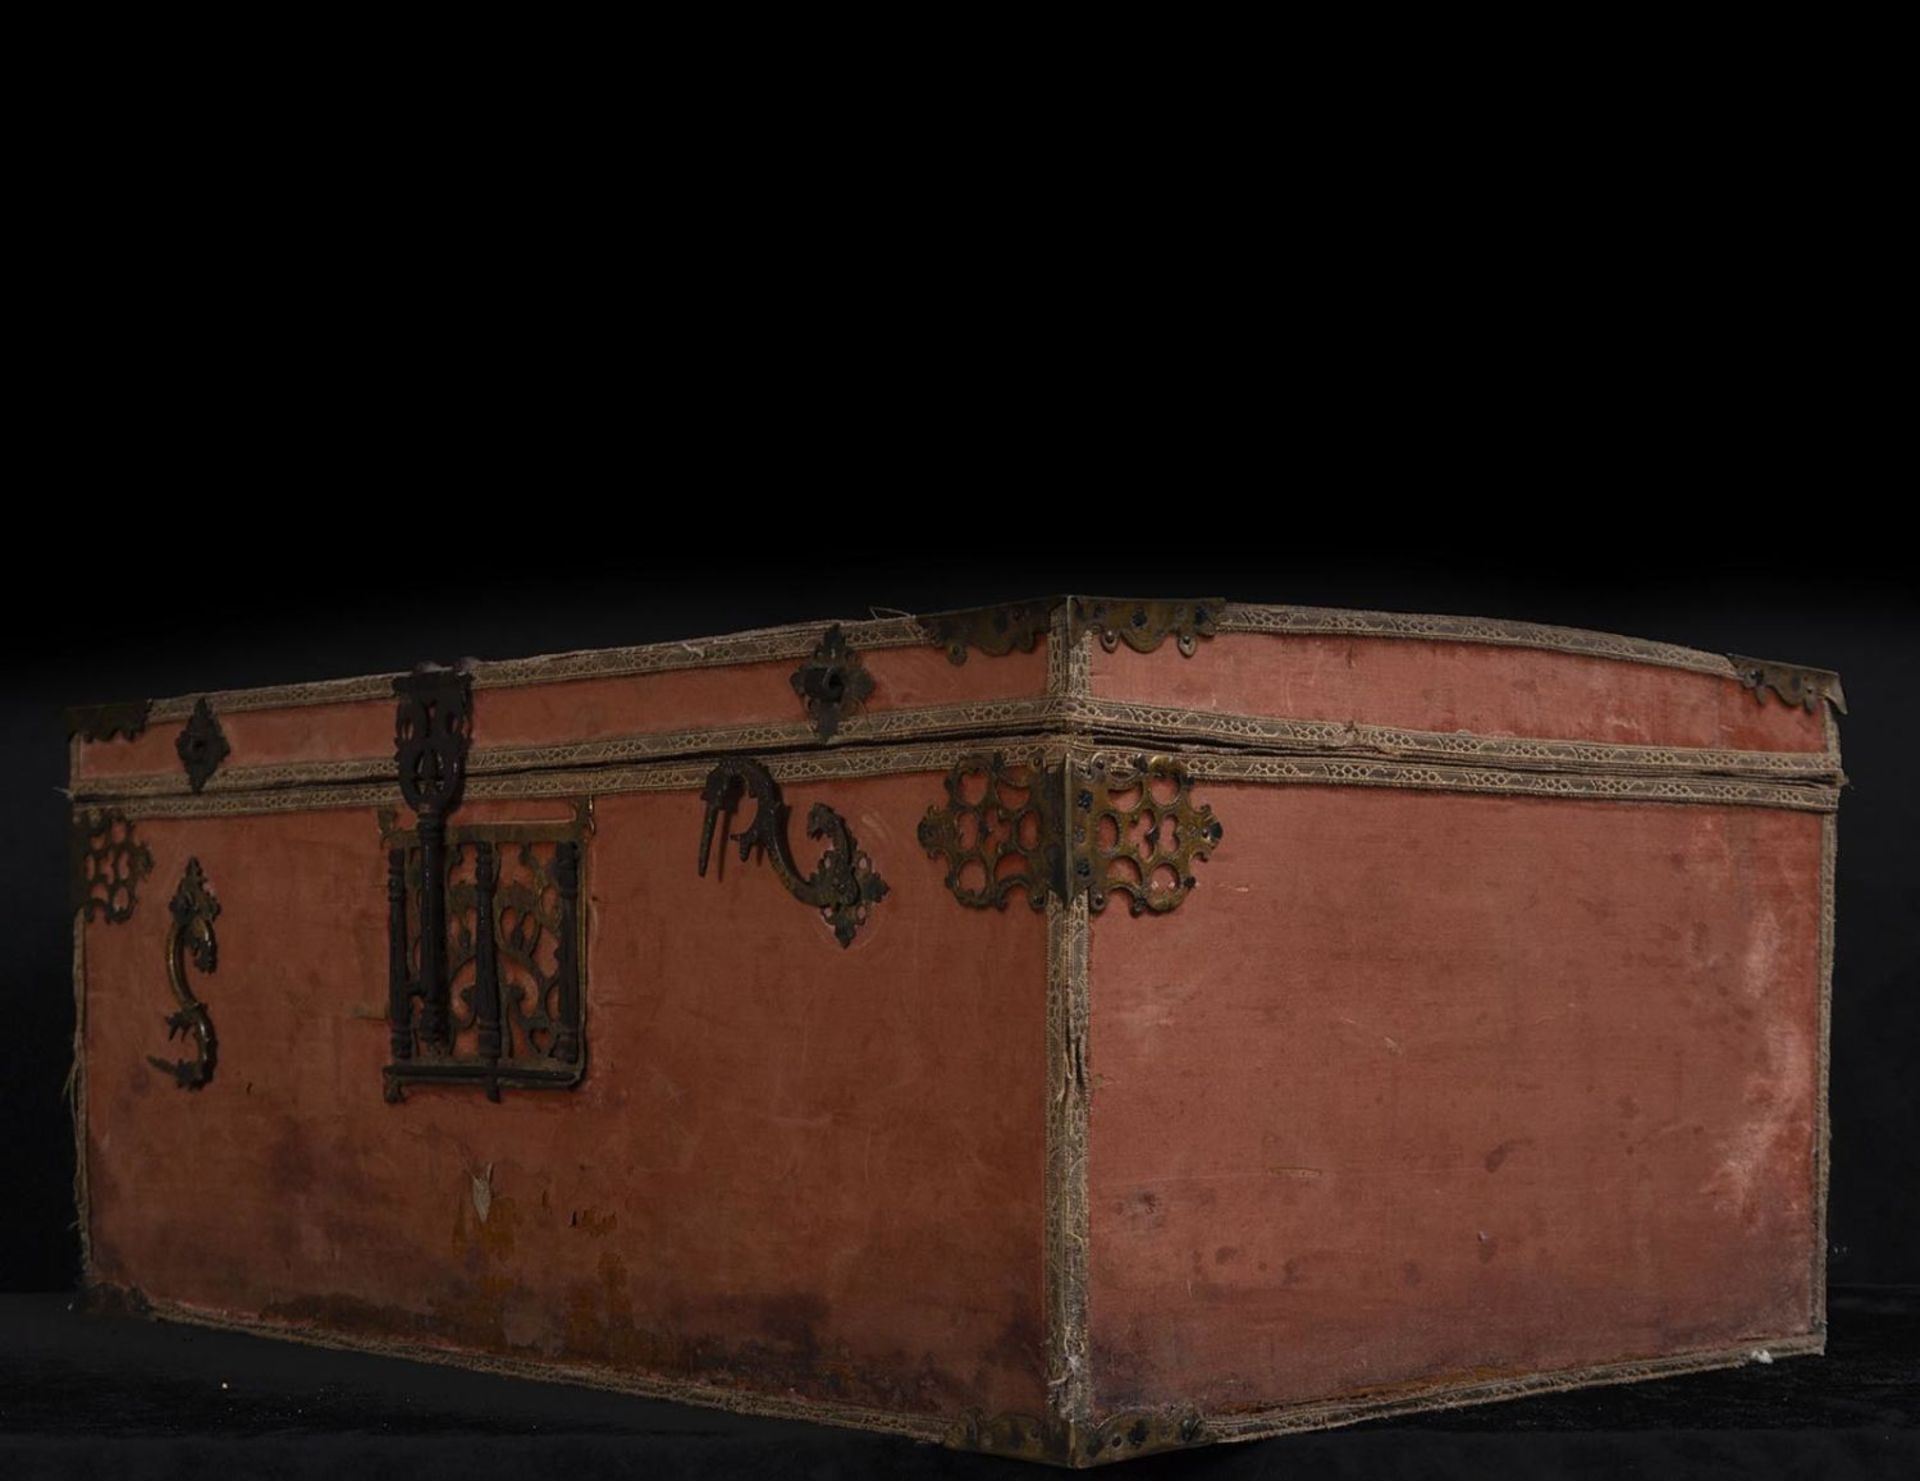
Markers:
(790, 1167)
(1422, 1088)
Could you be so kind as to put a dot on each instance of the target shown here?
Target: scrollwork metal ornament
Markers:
(832, 683)
(201, 746)
(106, 864)
(514, 956)
(194, 910)
(844, 886)
(1073, 830)
(1792, 684)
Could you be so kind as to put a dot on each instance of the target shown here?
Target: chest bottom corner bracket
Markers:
(1100, 827)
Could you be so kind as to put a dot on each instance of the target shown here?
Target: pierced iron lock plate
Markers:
(485, 935)
(514, 958)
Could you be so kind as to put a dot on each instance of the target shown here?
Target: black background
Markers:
(150, 612)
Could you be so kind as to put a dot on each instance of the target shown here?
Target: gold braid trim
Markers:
(1822, 1133)
(924, 723)
(1256, 1424)
(1319, 771)
(1215, 728)
(1159, 723)
(944, 755)
(1068, 1237)
(76, 1089)
(763, 645)
(666, 776)
(1337, 622)
(797, 640)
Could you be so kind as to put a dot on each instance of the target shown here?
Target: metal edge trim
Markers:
(77, 1098)
(1327, 1414)
(796, 640)
(1069, 1392)
(1225, 728)
(926, 722)
(1164, 724)
(942, 755)
(1823, 1126)
(1498, 632)
(1222, 766)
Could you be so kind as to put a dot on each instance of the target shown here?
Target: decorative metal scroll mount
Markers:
(194, 910)
(843, 885)
(1070, 830)
(1794, 685)
(832, 683)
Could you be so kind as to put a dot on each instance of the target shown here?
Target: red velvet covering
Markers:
(1422, 1086)
(1416, 1086)
(581, 710)
(790, 1167)
(1484, 688)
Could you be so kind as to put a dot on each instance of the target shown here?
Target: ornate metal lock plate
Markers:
(484, 928)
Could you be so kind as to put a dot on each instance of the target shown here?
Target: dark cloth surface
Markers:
(122, 1397)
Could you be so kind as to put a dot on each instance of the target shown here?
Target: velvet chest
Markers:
(1068, 1030)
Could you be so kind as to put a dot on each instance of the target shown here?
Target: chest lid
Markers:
(1187, 672)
